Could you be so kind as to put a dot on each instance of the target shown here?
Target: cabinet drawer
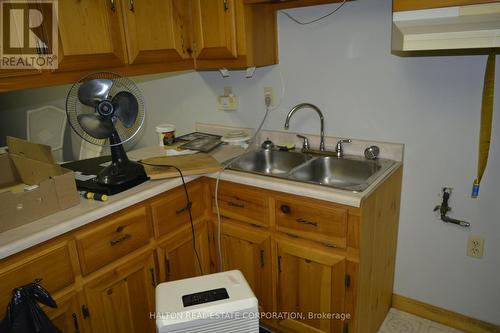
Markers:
(52, 266)
(315, 221)
(243, 203)
(170, 211)
(113, 239)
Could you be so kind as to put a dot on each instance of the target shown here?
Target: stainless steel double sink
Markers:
(348, 173)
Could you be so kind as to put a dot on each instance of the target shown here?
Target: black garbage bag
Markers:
(24, 315)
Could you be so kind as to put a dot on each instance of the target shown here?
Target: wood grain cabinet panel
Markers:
(232, 34)
(242, 203)
(90, 35)
(214, 25)
(170, 211)
(177, 256)
(320, 222)
(120, 300)
(157, 30)
(118, 236)
(67, 316)
(310, 282)
(248, 249)
(51, 265)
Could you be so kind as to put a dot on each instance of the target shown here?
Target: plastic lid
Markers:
(163, 128)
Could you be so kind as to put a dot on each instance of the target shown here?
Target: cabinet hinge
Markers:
(347, 280)
(279, 264)
(262, 258)
(85, 311)
(346, 328)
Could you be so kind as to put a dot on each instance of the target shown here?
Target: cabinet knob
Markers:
(285, 209)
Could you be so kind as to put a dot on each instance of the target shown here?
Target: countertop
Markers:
(39, 231)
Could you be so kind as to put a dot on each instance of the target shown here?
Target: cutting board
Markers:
(195, 164)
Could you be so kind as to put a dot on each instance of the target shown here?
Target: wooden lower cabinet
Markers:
(248, 249)
(67, 317)
(290, 265)
(311, 283)
(121, 299)
(177, 256)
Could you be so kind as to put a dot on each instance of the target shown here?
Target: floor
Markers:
(402, 322)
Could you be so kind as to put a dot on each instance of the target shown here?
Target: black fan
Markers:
(107, 109)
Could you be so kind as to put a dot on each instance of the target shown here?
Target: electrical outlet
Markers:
(269, 93)
(227, 102)
(475, 247)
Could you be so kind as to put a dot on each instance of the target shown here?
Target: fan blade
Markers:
(96, 125)
(126, 108)
(94, 91)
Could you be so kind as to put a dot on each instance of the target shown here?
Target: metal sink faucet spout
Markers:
(321, 118)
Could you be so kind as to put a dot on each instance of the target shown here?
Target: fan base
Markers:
(122, 175)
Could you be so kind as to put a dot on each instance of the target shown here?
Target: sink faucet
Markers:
(321, 118)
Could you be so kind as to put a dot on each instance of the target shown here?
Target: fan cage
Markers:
(74, 108)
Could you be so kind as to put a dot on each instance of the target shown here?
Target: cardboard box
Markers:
(32, 164)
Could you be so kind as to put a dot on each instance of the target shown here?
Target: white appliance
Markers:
(448, 28)
(221, 302)
(46, 125)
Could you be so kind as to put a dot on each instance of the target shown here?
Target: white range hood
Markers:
(450, 28)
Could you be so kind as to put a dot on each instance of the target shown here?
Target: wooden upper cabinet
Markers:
(90, 35)
(157, 30)
(214, 23)
(403, 5)
(231, 34)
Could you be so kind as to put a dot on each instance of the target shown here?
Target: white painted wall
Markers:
(432, 105)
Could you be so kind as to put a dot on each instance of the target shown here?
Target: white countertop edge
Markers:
(319, 192)
(291, 187)
(22, 238)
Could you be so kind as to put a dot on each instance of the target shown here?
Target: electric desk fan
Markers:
(107, 109)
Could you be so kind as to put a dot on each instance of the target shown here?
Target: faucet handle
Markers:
(339, 148)
(305, 144)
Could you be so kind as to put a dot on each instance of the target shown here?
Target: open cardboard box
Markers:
(28, 163)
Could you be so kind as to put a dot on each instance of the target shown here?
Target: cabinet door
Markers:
(120, 301)
(90, 35)
(67, 316)
(310, 282)
(179, 257)
(249, 250)
(156, 30)
(214, 24)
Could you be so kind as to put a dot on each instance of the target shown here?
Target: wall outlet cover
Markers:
(269, 91)
(475, 246)
(227, 103)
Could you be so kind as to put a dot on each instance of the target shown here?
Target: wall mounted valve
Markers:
(444, 208)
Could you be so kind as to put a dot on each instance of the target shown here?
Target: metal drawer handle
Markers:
(131, 5)
(75, 323)
(301, 220)
(183, 209)
(112, 5)
(286, 209)
(119, 240)
(233, 204)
